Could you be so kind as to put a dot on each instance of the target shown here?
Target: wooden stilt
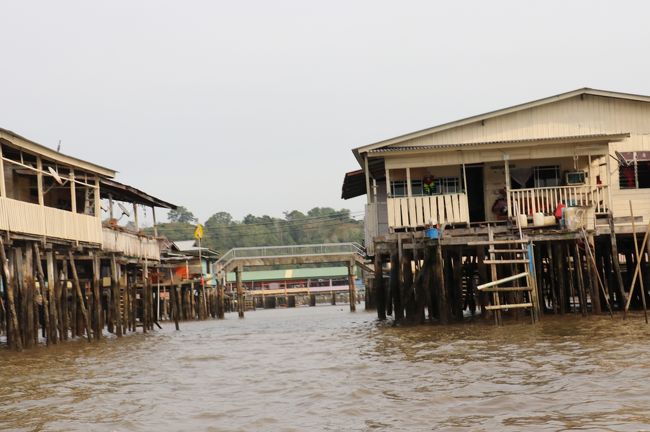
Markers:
(351, 288)
(615, 262)
(577, 263)
(396, 287)
(221, 294)
(51, 289)
(96, 299)
(13, 337)
(443, 313)
(65, 310)
(240, 293)
(80, 296)
(593, 274)
(173, 292)
(41, 282)
(559, 261)
(552, 277)
(115, 294)
(378, 288)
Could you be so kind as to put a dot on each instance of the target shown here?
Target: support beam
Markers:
(240, 293)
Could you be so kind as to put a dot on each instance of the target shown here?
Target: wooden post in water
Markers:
(13, 336)
(483, 278)
(570, 271)
(560, 262)
(115, 293)
(615, 261)
(593, 275)
(51, 289)
(552, 265)
(380, 292)
(173, 292)
(351, 287)
(41, 282)
(240, 292)
(443, 310)
(221, 294)
(396, 286)
(65, 313)
(28, 296)
(577, 262)
(96, 299)
(80, 296)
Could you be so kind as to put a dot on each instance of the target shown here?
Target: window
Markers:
(398, 188)
(634, 170)
(544, 176)
(416, 188)
(448, 185)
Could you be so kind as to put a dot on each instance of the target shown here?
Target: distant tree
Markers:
(181, 215)
(219, 218)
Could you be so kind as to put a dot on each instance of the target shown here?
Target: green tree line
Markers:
(223, 232)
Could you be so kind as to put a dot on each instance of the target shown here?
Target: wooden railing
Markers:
(28, 218)
(130, 244)
(546, 199)
(415, 212)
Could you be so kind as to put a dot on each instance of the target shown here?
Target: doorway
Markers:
(475, 192)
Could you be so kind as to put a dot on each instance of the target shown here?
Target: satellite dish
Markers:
(124, 210)
(55, 174)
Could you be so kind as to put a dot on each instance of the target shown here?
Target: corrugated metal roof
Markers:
(591, 137)
(184, 245)
(289, 274)
(121, 191)
(587, 91)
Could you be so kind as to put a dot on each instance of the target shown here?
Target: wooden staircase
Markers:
(518, 255)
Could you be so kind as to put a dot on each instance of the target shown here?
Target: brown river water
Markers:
(326, 369)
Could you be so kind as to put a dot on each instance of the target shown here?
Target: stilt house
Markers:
(95, 274)
(536, 191)
(585, 148)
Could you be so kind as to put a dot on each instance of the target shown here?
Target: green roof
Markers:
(289, 274)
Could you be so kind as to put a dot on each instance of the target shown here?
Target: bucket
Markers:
(522, 220)
(432, 233)
(538, 219)
(549, 220)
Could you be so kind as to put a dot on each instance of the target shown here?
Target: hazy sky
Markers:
(253, 107)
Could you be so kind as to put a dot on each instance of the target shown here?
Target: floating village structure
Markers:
(65, 272)
(522, 211)
(288, 287)
(192, 272)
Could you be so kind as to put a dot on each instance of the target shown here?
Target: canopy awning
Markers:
(354, 184)
(121, 192)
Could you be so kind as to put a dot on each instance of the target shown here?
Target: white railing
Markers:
(427, 210)
(546, 199)
(130, 244)
(28, 218)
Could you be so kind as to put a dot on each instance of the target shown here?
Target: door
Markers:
(475, 192)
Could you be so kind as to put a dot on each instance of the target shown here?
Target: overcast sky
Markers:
(253, 107)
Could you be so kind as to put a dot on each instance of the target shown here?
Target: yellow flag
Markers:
(198, 232)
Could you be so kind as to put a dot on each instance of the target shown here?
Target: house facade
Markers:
(588, 149)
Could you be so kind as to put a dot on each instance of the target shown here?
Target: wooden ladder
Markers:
(510, 252)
